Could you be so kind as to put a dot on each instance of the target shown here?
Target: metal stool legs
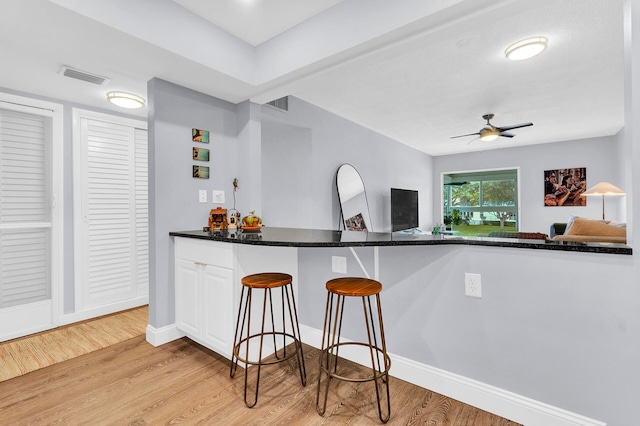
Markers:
(380, 361)
(243, 337)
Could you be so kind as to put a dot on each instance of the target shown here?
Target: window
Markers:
(476, 203)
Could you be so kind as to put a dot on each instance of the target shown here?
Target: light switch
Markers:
(218, 197)
(202, 195)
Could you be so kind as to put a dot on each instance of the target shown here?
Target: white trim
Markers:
(21, 225)
(503, 403)
(32, 318)
(104, 310)
(162, 335)
(57, 214)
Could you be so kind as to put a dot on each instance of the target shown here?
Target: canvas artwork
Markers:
(199, 135)
(564, 187)
(200, 154)
(356, 223)
(201, 172)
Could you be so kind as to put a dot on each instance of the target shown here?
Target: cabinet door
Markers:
(218, 309)
(188, 276)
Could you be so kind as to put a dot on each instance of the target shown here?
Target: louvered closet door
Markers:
(30, 249)
(114, 252)
(24, 209)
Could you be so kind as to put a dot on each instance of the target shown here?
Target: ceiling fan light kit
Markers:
(527, 48)
(491, 132)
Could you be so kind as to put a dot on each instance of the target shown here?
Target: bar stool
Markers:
(340, 288)
(243, 337)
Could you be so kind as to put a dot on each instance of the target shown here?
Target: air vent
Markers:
(282, 103)
(83, 75)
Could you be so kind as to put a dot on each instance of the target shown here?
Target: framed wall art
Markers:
(199, 135)
(200, 154)
(564, 187)
(201, 172)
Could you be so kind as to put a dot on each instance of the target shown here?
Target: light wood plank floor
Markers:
(25, 354)
(133, 383)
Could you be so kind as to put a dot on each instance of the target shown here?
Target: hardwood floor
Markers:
(133, 383)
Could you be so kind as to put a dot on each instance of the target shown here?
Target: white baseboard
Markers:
(162, 335)
(103, 310)
(486, 397)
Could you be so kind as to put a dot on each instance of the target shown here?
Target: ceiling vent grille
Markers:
(84, 76)
(282, 103)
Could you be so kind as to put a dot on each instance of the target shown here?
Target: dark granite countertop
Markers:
(295, 237)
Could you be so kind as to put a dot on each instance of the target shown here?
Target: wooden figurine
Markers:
(218, 219)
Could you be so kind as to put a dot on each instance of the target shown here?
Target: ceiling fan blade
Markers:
(462, 136)
(474, 139)
(506, 134)
(515, 126)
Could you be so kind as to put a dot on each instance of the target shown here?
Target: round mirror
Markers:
(354, 206)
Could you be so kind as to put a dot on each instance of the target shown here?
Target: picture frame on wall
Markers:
(201, 172)
(199, 135)
(564, 187)
(200, 154)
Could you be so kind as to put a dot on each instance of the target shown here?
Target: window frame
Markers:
(480, 207)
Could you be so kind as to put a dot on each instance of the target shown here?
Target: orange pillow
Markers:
(593, 227)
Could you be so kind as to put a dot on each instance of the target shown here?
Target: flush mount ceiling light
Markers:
(527, 48)
(125, 100)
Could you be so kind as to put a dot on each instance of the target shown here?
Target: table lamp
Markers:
(604, 189)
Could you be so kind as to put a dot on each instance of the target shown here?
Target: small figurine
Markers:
(218, 219)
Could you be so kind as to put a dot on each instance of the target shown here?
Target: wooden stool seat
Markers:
(337, 291)
(354, 286)
(287, 331)
(266, 280)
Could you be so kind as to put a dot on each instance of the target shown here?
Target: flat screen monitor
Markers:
(404, 209)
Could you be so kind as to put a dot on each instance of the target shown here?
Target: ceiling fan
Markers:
(491, 132)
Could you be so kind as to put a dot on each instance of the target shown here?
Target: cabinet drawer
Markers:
(209, 252)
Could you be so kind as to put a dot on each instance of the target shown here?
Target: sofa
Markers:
(586, 230)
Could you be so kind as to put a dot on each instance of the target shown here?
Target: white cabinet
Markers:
(205, 293)
(207, 286)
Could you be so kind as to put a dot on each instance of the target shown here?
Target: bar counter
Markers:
(298, 237)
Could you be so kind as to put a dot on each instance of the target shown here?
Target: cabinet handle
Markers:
(199, 263)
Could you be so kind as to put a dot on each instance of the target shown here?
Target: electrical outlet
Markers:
(472, 285)
(339, 264)
(202, 195)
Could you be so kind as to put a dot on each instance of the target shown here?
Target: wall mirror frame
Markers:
(354, 206)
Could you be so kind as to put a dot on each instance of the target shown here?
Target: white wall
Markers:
(599, 155)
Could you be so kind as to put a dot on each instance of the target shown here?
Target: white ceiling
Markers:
(418, 72)
(256, 21)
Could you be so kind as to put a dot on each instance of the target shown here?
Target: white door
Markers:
(110, 213)
(30, 215)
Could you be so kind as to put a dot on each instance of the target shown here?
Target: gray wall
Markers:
(557, 327)
(173, 192)
(314, 143)
(599, 155)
